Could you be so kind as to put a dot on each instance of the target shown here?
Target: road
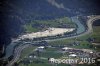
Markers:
(17, 53)
(18, 50)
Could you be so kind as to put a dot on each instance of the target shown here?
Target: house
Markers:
(65, 48)
(72, 55)
(41, 48)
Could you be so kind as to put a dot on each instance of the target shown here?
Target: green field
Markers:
(54, 52)
(45, 63)
(51, 53)
(27, 51)
(70, 43)
(96, 33)
(47, 53)
(38, 25)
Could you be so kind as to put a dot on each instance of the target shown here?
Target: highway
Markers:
(17, 53)
(18, 50)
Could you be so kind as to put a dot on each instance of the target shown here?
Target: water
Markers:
(27, 9)
(80, 29)
(9, 49)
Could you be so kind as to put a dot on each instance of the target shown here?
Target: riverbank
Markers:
(89, 24)
(75, 20)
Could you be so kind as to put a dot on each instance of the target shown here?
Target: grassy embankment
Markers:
(82, 40)
(38, 25)
(48, 53)
(27, 51)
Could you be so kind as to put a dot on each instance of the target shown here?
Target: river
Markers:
(80, 29)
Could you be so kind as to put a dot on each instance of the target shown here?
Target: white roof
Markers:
(51, 59)
(91, 52)
(73, 55)
(30, 56)
(66, 48)
(42, 47)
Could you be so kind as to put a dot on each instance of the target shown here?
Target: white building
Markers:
(72, 55)
(65, 48)
(41, 48)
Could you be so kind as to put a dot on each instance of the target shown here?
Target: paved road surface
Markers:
(17, 53)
